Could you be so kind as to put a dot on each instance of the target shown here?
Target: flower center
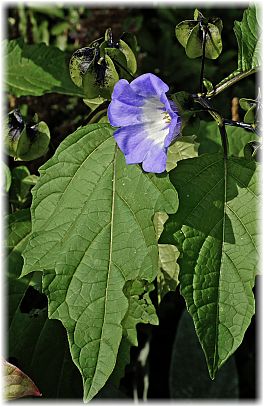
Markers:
(166, 117)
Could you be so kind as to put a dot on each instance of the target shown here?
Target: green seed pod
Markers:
(79, 64)
(23, 141)
(190, 35)
(98, 67)
(100, 79)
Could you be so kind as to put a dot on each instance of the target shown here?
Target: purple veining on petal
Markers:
(148, 122)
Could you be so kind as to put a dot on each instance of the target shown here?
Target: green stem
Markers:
(223, 86)
(97, 116)
(243, 125)
(204, 102)
(219, 120)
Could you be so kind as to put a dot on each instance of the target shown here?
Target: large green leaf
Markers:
(37, 69)
(249, 41)
(42, 350)
(92, 225)
(216, 231)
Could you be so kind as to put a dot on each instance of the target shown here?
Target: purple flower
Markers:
(148, 122)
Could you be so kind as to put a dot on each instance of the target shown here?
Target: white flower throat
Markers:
(155, 120)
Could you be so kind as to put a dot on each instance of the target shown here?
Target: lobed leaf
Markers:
(216, 231)
(92, 233)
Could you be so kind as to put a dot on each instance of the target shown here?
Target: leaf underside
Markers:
(92, 234)
(215, 230)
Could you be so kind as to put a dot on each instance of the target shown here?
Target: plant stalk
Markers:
(245, 126)
(224, 139)
(221, 87)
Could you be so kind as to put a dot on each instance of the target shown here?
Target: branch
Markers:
(229, 82)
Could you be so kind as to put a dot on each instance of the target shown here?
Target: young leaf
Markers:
(37, 69)
(247, 33)
(90, 236)
(208, 85)
(17, 384)
(216, 231)
(253, 151)
(247, 104)
(30, 179)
